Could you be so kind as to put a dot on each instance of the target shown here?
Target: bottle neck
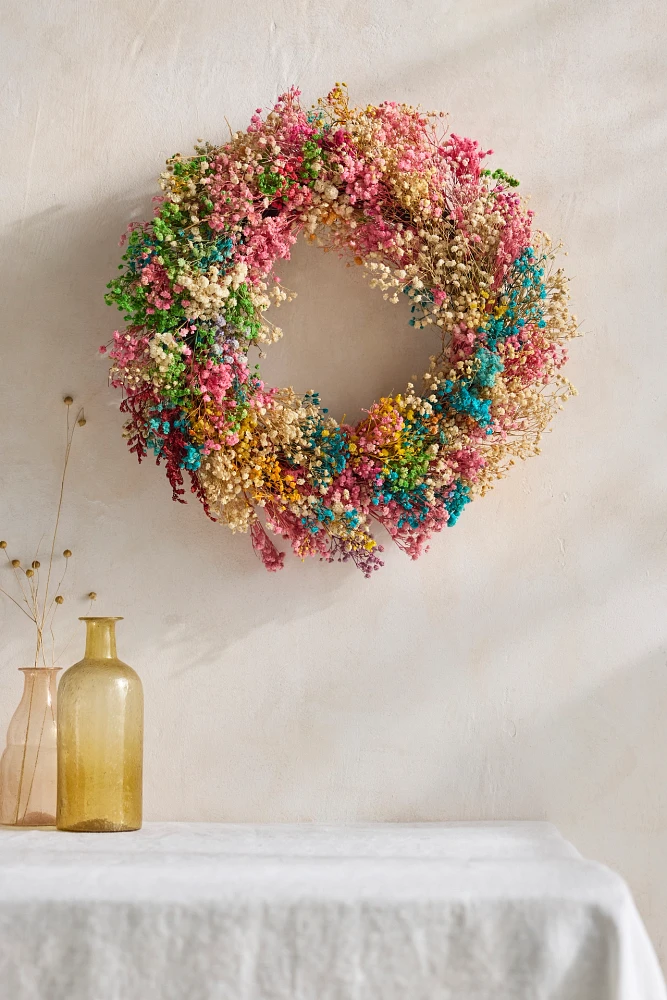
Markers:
(100, 639)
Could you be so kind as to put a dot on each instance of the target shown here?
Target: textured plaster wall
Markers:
(519, 670)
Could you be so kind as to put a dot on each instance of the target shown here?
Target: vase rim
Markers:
(101, 618)
(54, 667)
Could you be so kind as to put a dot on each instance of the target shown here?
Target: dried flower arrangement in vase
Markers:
(28, 764)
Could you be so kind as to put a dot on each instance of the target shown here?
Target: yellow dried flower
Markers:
(92, 595)
(59, 599)
(3, 545)
(67, 553)
(35, 564)
(68, 400)
(81, 421)
(16, 563)
(29, 573)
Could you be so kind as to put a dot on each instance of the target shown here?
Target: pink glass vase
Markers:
(28, 773)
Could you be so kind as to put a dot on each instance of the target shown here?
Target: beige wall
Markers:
(519, 670)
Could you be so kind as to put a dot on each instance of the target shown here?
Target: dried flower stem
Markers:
(36, 602)
(68, 447)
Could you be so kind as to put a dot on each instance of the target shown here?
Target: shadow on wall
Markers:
(61, 260)
(55, 321)
(558, 44)
(365, 348)
(439, 726)
(601, 760)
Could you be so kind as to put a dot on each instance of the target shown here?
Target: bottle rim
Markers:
(101, 618)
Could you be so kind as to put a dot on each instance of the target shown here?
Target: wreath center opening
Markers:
(341, 337)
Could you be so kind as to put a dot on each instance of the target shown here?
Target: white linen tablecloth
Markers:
(202, 911)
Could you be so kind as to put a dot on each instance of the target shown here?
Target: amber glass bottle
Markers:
(100, 738)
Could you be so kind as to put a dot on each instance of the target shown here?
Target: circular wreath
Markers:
(388, 188)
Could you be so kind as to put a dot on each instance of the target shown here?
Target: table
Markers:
(204, 911)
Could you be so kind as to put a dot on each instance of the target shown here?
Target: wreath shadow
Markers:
(56, 318)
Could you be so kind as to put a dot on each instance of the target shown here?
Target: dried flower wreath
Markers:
(414, 207)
